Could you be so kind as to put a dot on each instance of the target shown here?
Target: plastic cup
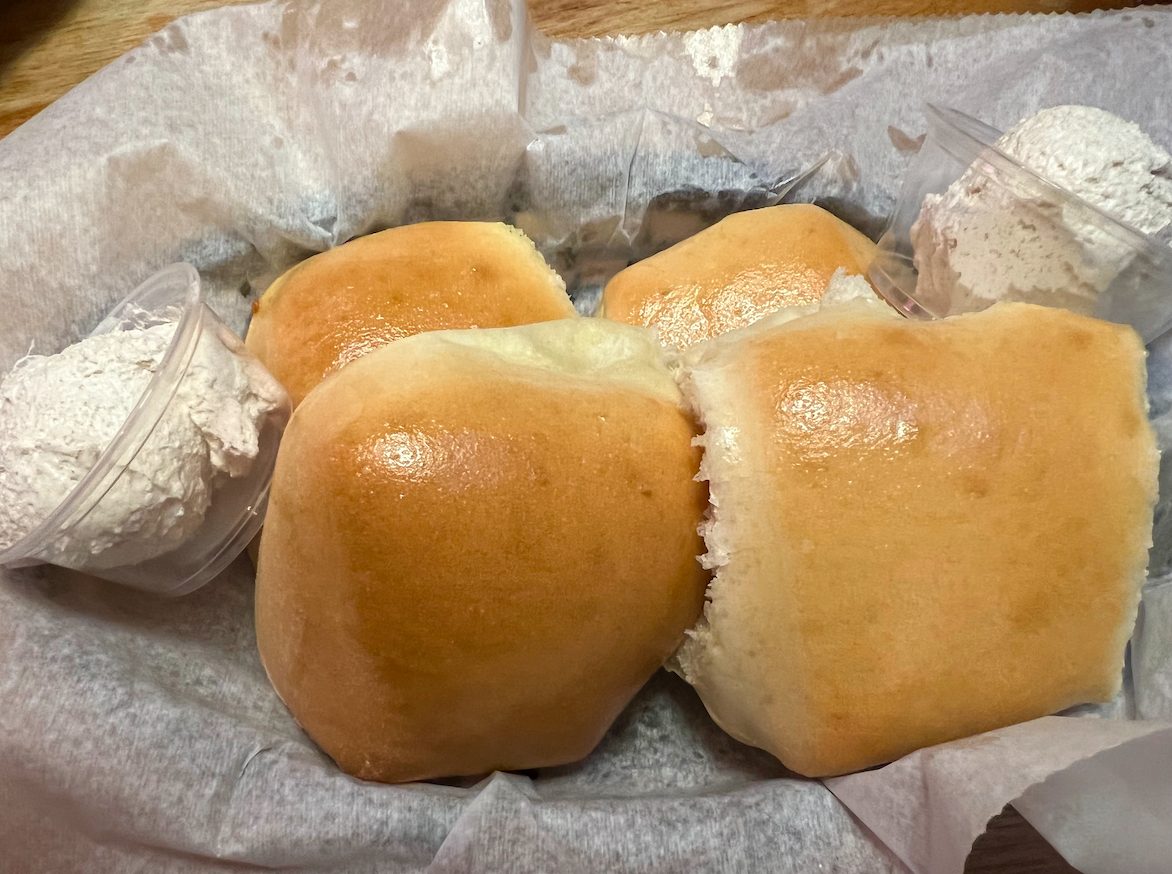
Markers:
(1092, 263)
(237, 504)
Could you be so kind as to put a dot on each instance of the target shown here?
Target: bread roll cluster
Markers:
(855, 535)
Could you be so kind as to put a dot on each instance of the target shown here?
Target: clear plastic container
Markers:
(237, 504)
(1017, 237)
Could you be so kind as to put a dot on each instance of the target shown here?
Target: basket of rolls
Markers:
(587, 496)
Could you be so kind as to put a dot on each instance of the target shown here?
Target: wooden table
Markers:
(48, 46)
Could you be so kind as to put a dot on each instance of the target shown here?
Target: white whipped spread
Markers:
(1103, 159)
(979, 242)
(59, 412)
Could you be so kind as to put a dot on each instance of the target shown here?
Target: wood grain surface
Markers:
(48, 46)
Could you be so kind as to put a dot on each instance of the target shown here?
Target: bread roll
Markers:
(740, 269)
(479, 545)
(923, 530)
(341, 304)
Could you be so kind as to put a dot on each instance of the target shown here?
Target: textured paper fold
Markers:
(930, 806)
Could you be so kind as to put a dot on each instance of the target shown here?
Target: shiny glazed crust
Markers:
(337, 306)
(479, 546)
(744, 267)
(924, 530)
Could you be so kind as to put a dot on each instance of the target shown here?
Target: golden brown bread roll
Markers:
(733, 273)
(337, 306)
(479, 545)
(922, 531)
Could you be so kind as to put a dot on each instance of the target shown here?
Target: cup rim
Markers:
(140, 422)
